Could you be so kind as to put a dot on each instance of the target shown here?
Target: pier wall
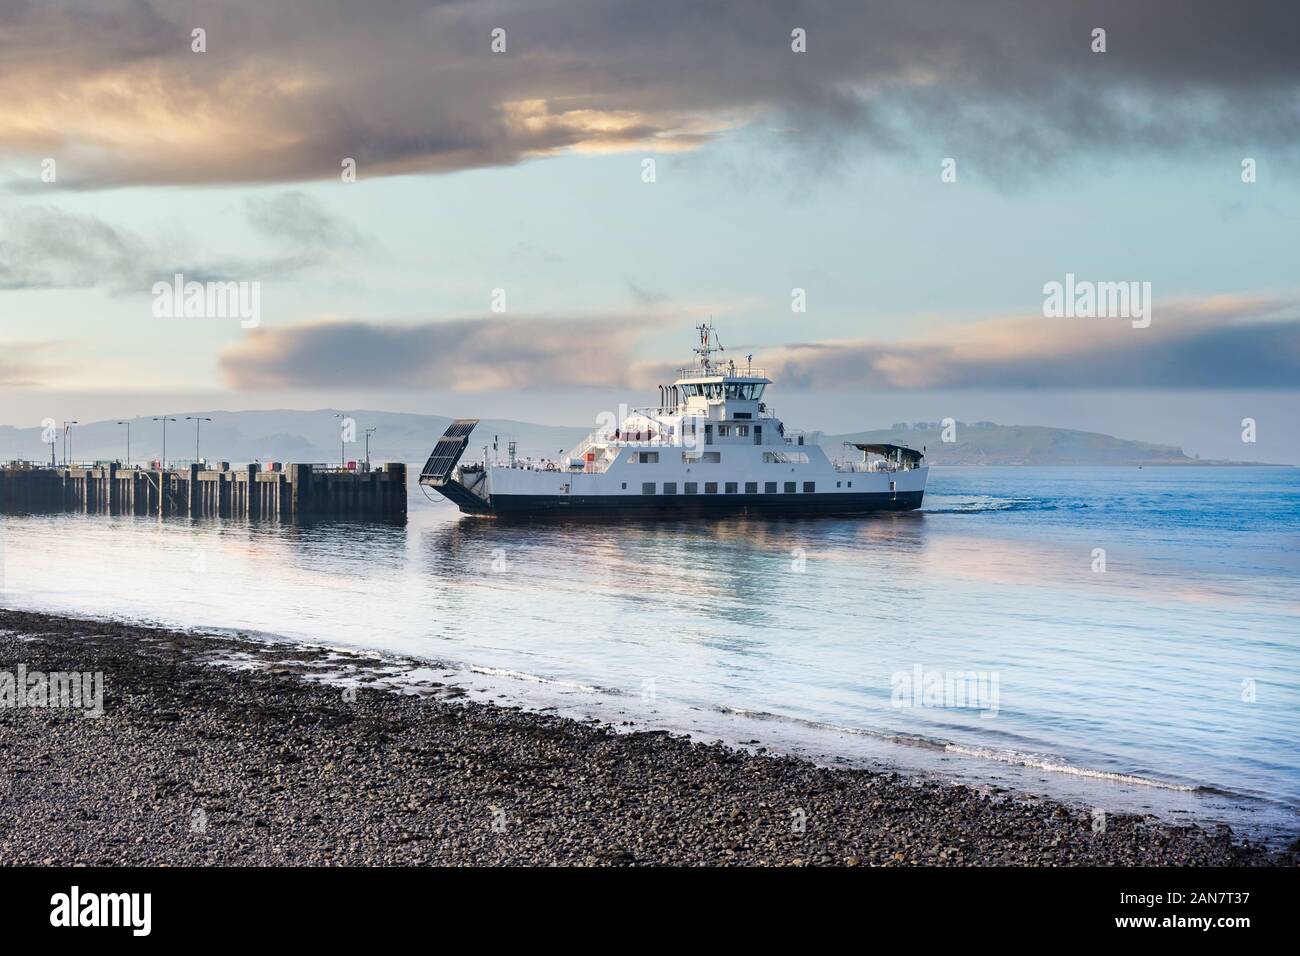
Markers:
(297, 491)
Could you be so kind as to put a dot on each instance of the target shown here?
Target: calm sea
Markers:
(1125, 637)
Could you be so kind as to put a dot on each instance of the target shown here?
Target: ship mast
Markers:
(708, 336)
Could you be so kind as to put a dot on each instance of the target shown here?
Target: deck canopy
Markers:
(910, 455)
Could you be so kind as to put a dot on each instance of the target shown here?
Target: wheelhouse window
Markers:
(744, 391)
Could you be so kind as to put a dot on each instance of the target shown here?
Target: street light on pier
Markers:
(196, 419)
(164, 419)
(67, 443)
(369, 432)
(128, 442)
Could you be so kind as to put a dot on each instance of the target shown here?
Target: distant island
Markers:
(313, 436)
(987, 443)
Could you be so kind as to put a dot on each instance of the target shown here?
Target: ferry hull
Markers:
(692, 505)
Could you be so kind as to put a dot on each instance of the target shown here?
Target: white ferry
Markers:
(710, 446)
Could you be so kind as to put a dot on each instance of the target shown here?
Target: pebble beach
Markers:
(196, 761)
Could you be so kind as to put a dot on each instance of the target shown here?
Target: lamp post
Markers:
(67, 443)
(196, 419)
(369, 432)
(128, 442)
(164, 419)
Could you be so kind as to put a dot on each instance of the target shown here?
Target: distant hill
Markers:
(313, 436)
(283, 435)
(986, 443)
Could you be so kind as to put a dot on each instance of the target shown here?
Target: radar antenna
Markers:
(709, 343)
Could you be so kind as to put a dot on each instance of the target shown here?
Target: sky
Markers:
(532, 232)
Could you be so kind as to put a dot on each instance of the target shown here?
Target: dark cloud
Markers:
(46, 247)
(42, 247)
(1223, 345)
(1220, 343)
(287, 90)
(646, 297)
(459, 355)
(300, 219)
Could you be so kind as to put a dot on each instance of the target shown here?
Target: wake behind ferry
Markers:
(711, 446)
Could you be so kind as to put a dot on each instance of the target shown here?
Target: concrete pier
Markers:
(290, 491)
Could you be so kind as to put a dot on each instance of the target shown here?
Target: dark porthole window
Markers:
(692, 488)
(769, 487)
(789, 487)
(647, 487)
(731, 487)
(751, 487)
(710, 487)
(809, 487)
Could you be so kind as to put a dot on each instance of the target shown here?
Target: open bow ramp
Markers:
(447, 452)
(438, 470)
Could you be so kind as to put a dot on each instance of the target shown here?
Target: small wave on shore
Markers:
(1017, 758)
(1056, 765)
(538, 679)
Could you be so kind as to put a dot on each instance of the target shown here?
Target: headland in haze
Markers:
(313, 436)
